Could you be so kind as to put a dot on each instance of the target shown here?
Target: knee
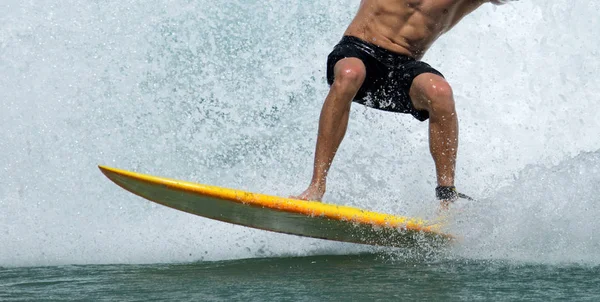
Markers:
(350, 73)
(440, 97)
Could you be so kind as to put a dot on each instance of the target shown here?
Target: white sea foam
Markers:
(229, 93)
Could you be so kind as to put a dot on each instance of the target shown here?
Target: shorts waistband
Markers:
(385, 56)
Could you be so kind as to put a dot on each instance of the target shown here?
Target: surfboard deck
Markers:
(279, 214)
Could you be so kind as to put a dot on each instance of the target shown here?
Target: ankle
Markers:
(446, 193)
(318, 184)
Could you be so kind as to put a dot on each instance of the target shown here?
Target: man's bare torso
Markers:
(408, 26)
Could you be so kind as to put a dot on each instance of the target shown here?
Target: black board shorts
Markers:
(388, 79)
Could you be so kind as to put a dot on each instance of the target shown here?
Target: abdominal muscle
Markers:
(407, 27)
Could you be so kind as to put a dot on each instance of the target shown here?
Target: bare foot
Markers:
(444, 205)
(313, 193)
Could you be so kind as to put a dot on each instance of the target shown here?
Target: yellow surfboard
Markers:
(279, 214)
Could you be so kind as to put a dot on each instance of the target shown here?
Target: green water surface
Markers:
(367, 277)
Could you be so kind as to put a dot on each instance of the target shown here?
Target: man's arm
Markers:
(464, 10)
(499, 2)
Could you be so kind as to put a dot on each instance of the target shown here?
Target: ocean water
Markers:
(229, 93)
(364, 277)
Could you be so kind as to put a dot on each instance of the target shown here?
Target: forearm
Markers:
(500, 2)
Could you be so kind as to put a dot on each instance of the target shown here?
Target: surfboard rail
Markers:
(189, 196)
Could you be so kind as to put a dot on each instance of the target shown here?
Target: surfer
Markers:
(377, 64)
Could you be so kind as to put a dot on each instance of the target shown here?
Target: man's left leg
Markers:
(432, 92)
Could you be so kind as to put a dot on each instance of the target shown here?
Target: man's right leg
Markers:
(349, 75)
